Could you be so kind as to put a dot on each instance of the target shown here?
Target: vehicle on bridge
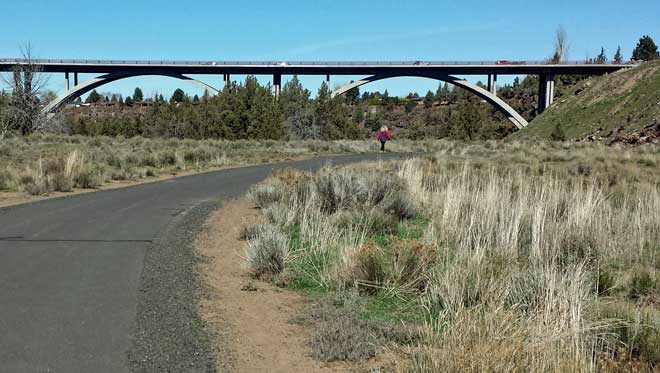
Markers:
(507, 62)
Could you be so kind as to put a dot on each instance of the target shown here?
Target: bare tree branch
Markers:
(27, 83)
(561, 45)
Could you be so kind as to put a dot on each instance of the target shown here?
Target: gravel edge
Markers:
(169, 335)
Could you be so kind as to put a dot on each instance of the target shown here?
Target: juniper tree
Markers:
(646, 50)
(137, 95)
(618, 57)
(601, 58)
(94, 97)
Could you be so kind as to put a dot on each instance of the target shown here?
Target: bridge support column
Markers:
(327, 78)
(277, 84)
(226, 79)
(546, 92)
(75, 79)
(66, 81)
(493, 88)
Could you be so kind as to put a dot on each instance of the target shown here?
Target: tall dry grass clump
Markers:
(511, 267)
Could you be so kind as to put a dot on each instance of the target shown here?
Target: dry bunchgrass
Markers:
(102, 159)
(267, 251)
(520, 247)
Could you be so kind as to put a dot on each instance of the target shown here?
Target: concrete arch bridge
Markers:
(113, 70)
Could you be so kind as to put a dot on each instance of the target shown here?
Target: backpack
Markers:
(383, 137)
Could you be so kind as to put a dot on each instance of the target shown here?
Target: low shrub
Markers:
(637, 330)
(403, 265)
(7, 180)
(86, 179)
(401, 205)
(35, 182)
(60, 182)
(267, 193)
(339, 333)
(267, 251)
(250, 232)
(604, 282)
(35, 188)
(642, 284)
(167, 158)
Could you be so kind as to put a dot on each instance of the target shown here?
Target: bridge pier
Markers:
(492, 83)
(546, 92)
(327, 79)
(277, 84)
(226, 80)
(66, 81)
(75, 79)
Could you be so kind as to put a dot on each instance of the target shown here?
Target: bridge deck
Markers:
(319, 68)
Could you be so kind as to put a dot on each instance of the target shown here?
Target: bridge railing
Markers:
(297, 63)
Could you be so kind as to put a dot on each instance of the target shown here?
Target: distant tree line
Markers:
(246, 110)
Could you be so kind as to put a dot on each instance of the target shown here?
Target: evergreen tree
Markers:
(137, 95)
(601, 58)
(428, 99)
(296, 110)
(516, 84)
(178, 96)
(646, 50)
(443, 91)
(618, 57)
(128, 101)
(353, 96)
(294, 97)
(264, 115)
(195, 100)
(467, 119)
(332, 117)
(93, 98)
(410, 106)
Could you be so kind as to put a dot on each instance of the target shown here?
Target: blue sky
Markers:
(317, 30)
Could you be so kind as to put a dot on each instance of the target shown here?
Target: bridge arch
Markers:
(94, 83)
(484, 94)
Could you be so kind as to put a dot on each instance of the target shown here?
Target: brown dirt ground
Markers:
(251, 319)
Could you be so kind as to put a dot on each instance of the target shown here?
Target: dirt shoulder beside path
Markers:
(250, 318)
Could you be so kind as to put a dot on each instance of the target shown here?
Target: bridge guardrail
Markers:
(300, 63)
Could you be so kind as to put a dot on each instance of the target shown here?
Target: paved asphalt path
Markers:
(70, 267)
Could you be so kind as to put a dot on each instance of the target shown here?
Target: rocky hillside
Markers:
(620, 107)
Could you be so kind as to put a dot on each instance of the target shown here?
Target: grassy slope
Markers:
(628, 99)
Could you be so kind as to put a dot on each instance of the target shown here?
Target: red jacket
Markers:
(387, 134)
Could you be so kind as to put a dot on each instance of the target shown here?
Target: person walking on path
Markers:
(383, 136)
